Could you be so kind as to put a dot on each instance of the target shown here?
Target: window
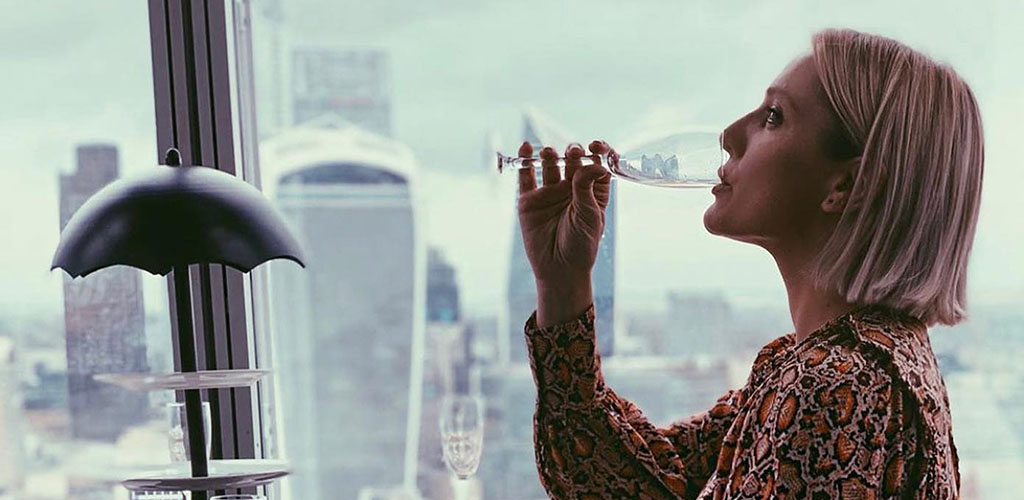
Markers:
(426, 93)
(78, 104)
(372, 127)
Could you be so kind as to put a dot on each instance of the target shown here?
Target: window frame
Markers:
(198, 49)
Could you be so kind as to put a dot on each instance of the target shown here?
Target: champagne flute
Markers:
(462, 433)
(679, 160)
(177, 433)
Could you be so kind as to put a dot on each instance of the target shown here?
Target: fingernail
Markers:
(526, 149)
(548, 152)
(574, 150)
(594, 145)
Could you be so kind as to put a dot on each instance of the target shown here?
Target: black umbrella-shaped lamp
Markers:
(164, 220)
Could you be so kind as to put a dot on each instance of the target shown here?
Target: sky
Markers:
(462, 70)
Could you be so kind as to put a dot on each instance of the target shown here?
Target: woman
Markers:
(861, 175)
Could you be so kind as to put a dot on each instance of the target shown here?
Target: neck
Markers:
(810, 307)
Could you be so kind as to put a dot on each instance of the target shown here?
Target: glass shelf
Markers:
(205, 379)
(224, 474)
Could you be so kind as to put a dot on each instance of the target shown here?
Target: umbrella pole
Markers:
(187, 355)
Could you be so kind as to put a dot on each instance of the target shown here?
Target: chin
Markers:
(721, 224)
(713, 221)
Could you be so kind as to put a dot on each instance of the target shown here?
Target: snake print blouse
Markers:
(857, 410)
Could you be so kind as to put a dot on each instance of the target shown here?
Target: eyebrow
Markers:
(784, 94)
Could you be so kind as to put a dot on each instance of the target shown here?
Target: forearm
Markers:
(582, 428)
(594, 444)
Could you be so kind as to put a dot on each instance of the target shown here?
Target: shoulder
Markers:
(824, 388)
(862, 356)
(835, 383)
(871, 338)
(899, 343)
(846, 388)
(865, 357)
(881, 344)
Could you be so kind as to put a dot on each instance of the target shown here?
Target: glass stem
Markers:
(520, 162)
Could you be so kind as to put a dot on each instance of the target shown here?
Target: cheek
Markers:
(784, 175)
(787, 207)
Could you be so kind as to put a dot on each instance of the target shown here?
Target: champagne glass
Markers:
(177, 433)
(462, 433)
(678, 160)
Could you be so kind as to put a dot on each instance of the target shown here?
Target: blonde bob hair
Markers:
(905, 236)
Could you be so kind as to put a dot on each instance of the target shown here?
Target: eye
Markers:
(773, 116)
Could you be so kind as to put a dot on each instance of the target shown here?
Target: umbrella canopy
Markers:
(175, 215)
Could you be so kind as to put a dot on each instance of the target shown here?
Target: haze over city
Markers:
(662, 64)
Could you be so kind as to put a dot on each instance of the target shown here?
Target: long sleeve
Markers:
(590, 443)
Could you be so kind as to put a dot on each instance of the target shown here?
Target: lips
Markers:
(723, 175)
(724, 185)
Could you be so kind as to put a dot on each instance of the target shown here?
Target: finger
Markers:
(549, 166)
(599, 147)
(527, 174)
(583, 185)
(603, 184)
(573, 154)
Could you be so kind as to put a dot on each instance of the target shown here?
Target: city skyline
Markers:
(82, 105)
(438, 112)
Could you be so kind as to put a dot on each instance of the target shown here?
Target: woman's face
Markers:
(779, 174)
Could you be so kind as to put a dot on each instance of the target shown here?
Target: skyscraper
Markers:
(446, 361)
(540, 131)
(269, 47)
(508, 470)
(442, 290)
(354, 84)
(103, 318)
(348, 330)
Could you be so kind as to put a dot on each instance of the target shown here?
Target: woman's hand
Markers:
(562, 222)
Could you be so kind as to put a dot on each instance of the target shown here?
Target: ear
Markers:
(841, 186)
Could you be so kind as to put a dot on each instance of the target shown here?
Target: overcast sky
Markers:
(80, 71)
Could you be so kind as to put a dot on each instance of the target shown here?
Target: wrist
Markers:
(562, 301)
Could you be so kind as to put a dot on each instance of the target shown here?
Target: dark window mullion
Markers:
(163, 90)
(240, 346)
(206, 129)
(220, 86)
(193, 100)
(179, 81)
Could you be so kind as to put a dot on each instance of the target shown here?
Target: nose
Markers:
(734, 137)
